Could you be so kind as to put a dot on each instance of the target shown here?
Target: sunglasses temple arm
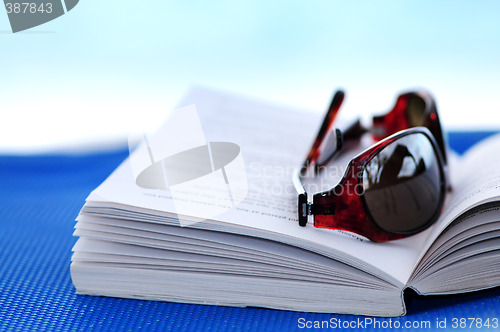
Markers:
(304, 207)
(330, 150)
(346, 139)
(325, 126)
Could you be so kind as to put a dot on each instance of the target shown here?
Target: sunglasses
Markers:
(397, 186)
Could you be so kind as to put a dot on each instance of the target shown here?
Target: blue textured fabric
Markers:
(40, 197)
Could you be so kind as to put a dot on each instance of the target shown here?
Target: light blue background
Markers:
(110, 67)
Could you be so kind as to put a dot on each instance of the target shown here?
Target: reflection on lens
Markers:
(402, 184)
(415, 110)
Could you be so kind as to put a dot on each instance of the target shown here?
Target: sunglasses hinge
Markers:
(305, 209)
(309, 209)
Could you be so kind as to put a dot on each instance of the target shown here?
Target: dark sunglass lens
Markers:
(415, 110)
(402, 185)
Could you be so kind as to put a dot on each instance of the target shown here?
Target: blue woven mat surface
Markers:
(40, 196)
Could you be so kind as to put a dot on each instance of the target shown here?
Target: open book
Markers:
(134, 243)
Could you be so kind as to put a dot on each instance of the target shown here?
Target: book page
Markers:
(273, 140)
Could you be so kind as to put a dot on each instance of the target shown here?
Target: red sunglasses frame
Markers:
(349, 212)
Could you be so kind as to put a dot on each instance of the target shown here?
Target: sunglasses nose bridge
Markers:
(409, 111)
(393, 121)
